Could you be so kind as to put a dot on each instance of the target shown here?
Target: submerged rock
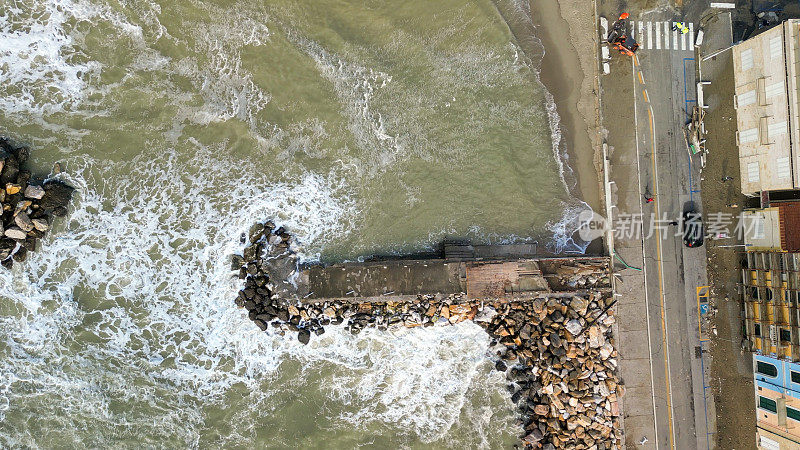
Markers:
(304, 336)
(56, 197)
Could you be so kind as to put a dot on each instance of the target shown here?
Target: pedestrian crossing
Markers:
(659, 35)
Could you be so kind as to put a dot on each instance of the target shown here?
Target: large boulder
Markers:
(304, 336)
(16, 233)
(10, 170)
(34, 192)
(57, 196)
(24, 222)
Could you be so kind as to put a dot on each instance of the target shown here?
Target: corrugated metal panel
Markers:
(774, 89)
(776, 129)
(749, 135)
(790, 226)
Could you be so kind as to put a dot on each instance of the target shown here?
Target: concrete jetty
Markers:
(498, 272)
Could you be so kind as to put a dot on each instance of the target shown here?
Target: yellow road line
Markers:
(661, 280)
(646, 99)
(641, 78)
(634, 63)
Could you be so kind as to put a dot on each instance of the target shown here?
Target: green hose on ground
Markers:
(626, 264)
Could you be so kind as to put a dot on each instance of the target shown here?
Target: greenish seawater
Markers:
(362, 126)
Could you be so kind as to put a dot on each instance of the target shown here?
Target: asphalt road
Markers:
(663, 87)
(665, 93)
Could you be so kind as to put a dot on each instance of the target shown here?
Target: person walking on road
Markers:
(680, 26)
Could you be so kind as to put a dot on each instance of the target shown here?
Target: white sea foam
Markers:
(164, 335)
(355, 85)
(564, 230)
(42, 65)
(417, 379)
(125, 317)
(227, 88)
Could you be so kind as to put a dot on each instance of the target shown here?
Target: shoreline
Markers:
(563, 73)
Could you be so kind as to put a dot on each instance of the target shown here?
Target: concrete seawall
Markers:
(401, 280)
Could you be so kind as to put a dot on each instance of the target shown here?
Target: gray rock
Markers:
(574, 327)
(256, 232)
(57, 196)
(36, 192)
(606, 350)
(485, 315)
(236, 261)
(24, 222)
(40, 224)
(304, 336)
(579, 304)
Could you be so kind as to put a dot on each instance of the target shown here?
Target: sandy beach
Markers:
(569, 72)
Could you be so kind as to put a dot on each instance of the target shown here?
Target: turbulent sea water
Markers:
(362, 126)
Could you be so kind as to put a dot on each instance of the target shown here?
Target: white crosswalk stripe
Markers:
(674, 38)
(657, 26)
(649, 36)
(641, 27)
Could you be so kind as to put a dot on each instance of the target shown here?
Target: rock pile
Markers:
(557, 351)
(28, 205)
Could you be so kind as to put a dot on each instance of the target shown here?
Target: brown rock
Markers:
(16, 233)
(541, 409)
(431, 310)
(579, 304)
(596, 338)
(459, 313)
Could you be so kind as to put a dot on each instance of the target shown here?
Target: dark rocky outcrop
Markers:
(28, 205)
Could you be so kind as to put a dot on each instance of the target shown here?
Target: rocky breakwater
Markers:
(557, 351)
(29, 205)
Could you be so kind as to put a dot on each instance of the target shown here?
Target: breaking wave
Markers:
(125, 318)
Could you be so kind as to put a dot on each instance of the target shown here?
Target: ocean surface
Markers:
(362, 126)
